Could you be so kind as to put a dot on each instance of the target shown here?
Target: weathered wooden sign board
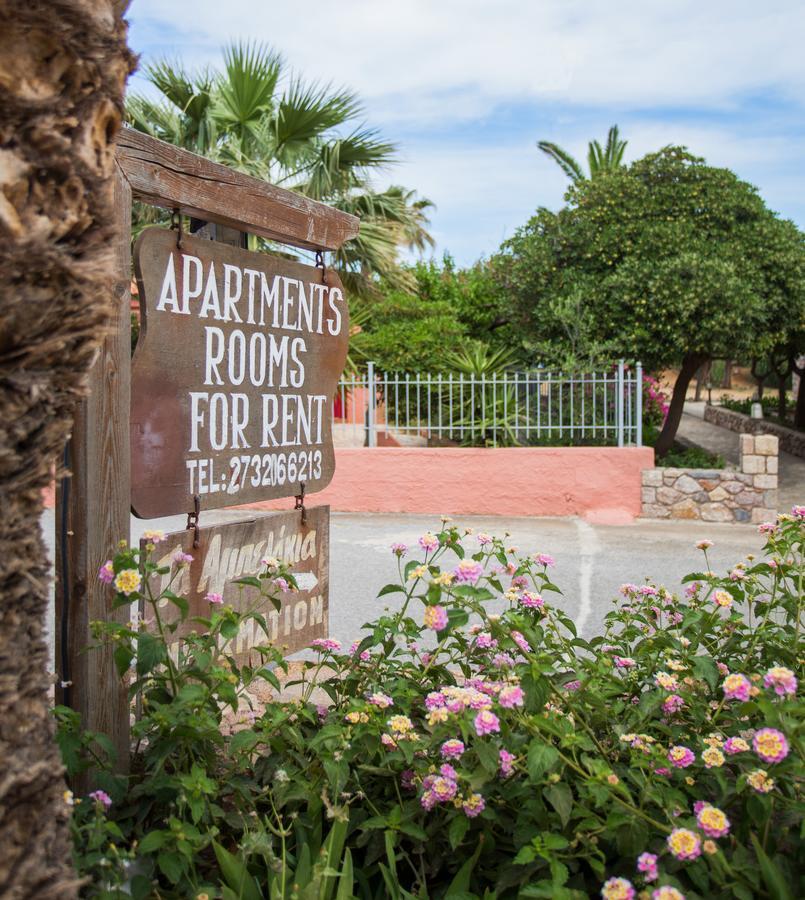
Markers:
(235, 550)
(233, 377)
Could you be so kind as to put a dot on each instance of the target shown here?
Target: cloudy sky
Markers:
(467, 87)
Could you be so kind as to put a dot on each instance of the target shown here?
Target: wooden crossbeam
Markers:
(167, 176)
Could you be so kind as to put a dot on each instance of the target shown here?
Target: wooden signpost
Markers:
(228, 552)
(236, 366)
(93, 515)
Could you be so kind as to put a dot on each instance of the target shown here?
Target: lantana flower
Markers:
(506, 763)
(735, 745)
(647, 865)
(214, 598)
(473, 805)
(712, 821)
(667, 892)
(531, 600)
(736, 687)
(684, 844)
(468, 571)
(436, 618)
(511, 696)
(101, 798)
(761, 782)
(452, 749)
(681, 757)
(713, 758)
(486, 722)
(618, 889)
(770, 745)
(723, 599)
(326, 644)
(429, 542)
(781, 679)
(128, 581)
(106, 573)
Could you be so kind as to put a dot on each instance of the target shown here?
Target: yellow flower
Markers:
(710, 847)
(713, 758)
(128, 581)
(722, 598)
(760, 781)
(435, 716)
(418, 572)
(445, 579)
(612, 778)
(675, 665)
(400, 724)
(356, 716)
(713, 740)
(68, 798)
(690, 781)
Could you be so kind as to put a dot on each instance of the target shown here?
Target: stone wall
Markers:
(791, 440)
(718, 495)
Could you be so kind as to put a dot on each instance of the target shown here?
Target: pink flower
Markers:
(407, 779)
(435, 700)
(647, 864)
(448, 771)
(572, 686)
(781, 679)
(666, 892)
(767, 528)
(502, 660)
(770, 745)
(506, 763)
(623, 662)
(544, 560)
(511, 696)
(485, 641)
(106, 573)
(519, 581)
(704, 545)
(282, 584)
(180, 558)
(452, 749)
(618, 889)
(662, 770)
(735, 745)
(684, 844)
(521, 642)
(712, 821)
(443, 788)
(436, 618)
(673, 704)
(681, 757)
(429, 542)
(382, 701)
(468, 571)
(736, 687)
(214, 598)
(486, 722)
(483, 539)
(399, 550)
(321, 711)
(102, 798)
(798, 512)
(473, 806)
(326, 644)
(531, 601)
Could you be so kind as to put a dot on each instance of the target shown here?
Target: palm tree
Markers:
(599, 159)
(54, 281)
(258, 118)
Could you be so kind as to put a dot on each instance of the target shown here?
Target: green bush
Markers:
(472, 745)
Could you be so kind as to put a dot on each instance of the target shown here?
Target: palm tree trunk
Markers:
(666, 439)
(63, 66)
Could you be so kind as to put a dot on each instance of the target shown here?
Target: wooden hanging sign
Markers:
(233, 377)
(235, 550)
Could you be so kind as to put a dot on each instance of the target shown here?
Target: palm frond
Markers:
(244, 92)
(563, 159)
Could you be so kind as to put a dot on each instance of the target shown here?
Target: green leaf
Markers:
(772, 876)
(540, 758)
(391, 589)
(249, 581)
(153, 841)
(345, 880)
(560, 796)
(487, 755)
(457, 829)
(123, 656)
(171, 865)
(181, 602)
(461, 881)
(706, 669)
(150, 652)
(525, 855)
(236, 875)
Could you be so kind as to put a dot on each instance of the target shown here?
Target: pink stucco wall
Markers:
(602, 484)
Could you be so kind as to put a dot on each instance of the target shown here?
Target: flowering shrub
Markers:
(489, 752)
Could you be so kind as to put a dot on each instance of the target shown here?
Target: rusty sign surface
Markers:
(235, 550)
(233, 377)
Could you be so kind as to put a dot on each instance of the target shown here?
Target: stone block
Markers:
(707, 484)
(652, 477)
(747, 443)
(740, 477)
(667, 495)
(652, 511)
(753, 465)
(687, 485)
(685, 509)
(718, 494)
(747, 498)
(741, 515)
(709, 474)
(767, 444)
(733, 487)
(715, 512)
(770, 500)
(772, 463)
(669, 476)
(766, 482)
(649, 495)
(761, 514)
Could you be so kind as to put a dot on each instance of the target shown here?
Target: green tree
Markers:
(672, 261)
(599, 159)
(257, 117)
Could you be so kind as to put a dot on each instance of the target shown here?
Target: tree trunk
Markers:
(63, 66)
(727, 383)
(666, 439)
(702, 376)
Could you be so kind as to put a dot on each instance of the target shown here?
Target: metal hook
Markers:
(176, 225)
(300, 502)
(192, 520)
(320, 264)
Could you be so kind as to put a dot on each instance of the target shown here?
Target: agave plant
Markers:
(257, 117)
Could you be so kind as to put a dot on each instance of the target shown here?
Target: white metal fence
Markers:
(504, 409)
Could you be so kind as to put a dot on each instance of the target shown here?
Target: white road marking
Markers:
(589, 548)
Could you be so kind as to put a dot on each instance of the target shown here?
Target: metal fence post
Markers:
(639, 404)
(619, 403)
(371, 437)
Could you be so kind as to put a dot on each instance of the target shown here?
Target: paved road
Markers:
(592, 561)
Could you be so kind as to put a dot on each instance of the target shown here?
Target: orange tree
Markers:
(670, 261)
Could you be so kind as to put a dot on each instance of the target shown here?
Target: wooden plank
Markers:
(167, 176)
(236, 366)
(235, 550)
(98, 513)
